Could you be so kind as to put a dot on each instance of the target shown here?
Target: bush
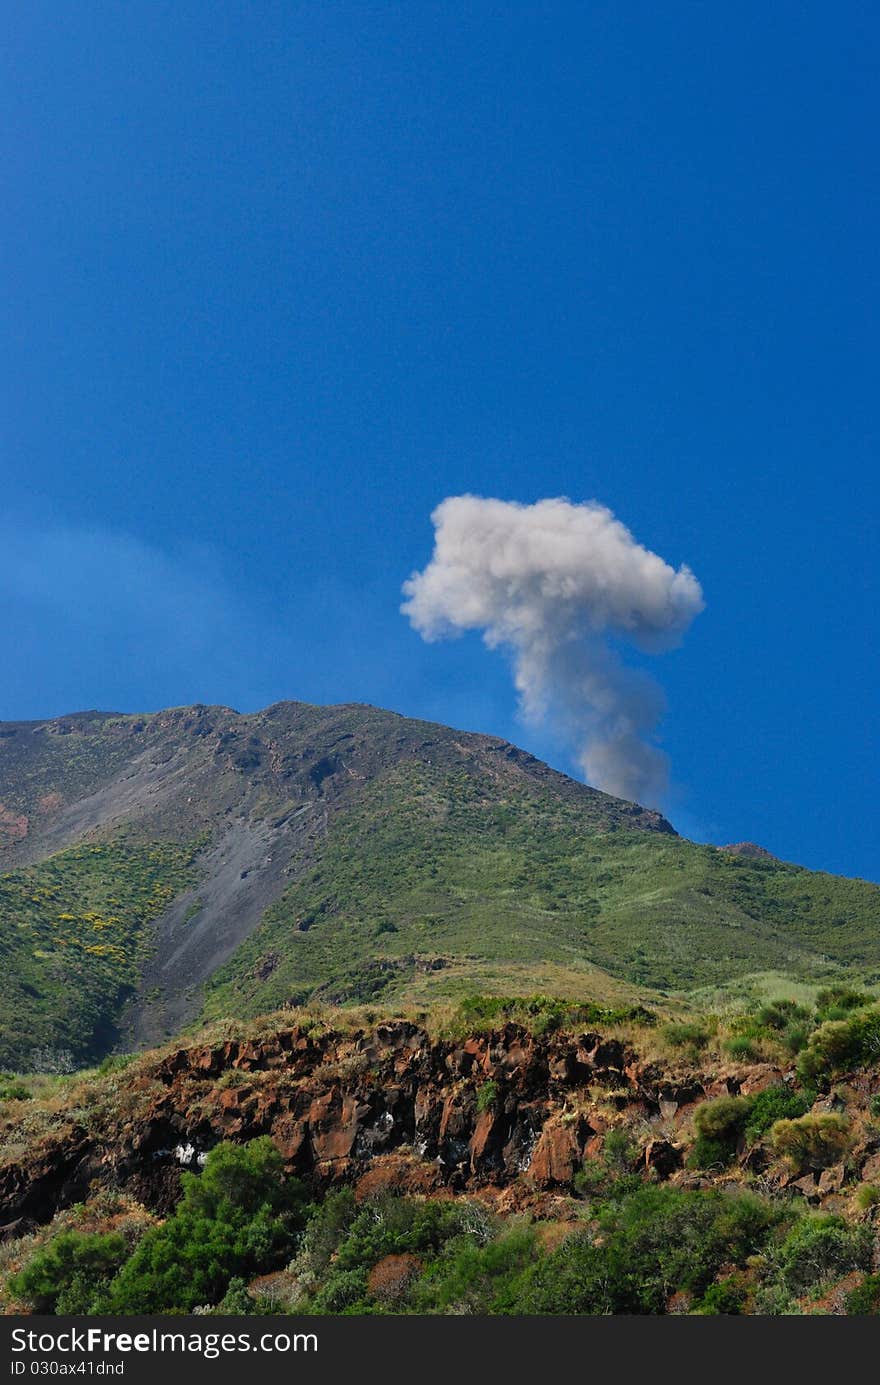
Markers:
(812, 1142)
(540, 1014)
(686, 1035)
(795, 1037)
(237, 1219)
(840, 1046)
(15, 1091)
(115, 1062)
(867, 1196)
(820, 1249)
(470, 1278)
(487, 1095)
(344, 1241)
(865, 1300)
(656, 1242)
(741, 1047)
(835, 1002)
(327, 1226)
(718, 1125)
(591, 1178)
(723, 1118)
(617, 1151)
(71, 1273)
(773, 1301)
(727, 1297)
(771, 1105)
(780, 1014)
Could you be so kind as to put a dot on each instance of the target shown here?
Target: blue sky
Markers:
(278, 278)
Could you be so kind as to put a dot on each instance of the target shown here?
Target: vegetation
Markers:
(72, 935)
(71, 1274)
(772, 1105)
(451, 865)
(540, 1014)
(839, 1045)
(243, 1239)
(641, 1249)
(812, 1142)
(237, 1218)
(818, 1250)
(500, 886)
(719, 1125)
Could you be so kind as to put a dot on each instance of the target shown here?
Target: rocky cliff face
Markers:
(507, 1116)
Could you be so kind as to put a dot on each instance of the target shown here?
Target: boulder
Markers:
(662, 1157)
(559, 1152)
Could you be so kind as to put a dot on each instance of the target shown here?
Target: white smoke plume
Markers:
(558, 585)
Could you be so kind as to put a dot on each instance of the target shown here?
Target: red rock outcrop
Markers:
(507, 1115)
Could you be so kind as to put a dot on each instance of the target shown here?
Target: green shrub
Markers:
(795, 1037)
(718, 1125)
(71, 1273)
(400, 1225)
(867, 1196)
(237, 1300)
(115, 1062)
(237, 1219)
(15, 1091)
(865, 1300)
(657, 1241)
(780, 1014)
(487, 1095)
(812, 1142)
(618, 1150)
(327, 1226)
(840, 1046)
(774, 1301)
(470, 1278)
(771, 1105)
(592, 1178)
(741, 1047)
(686, 1035)
(722, 1118)
(835, 1002)
(710, 1154)
(820, 1249)
(344, 1240)
(540, 1014)
(874, 1105)
(727, 1297)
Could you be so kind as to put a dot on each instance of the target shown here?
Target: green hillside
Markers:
(430, 886)
(72, 940)
(200, 863)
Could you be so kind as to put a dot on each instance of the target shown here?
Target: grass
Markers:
(448, 868)
(73, 931)
(431, 885)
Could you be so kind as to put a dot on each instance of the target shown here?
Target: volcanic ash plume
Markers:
(556, 583)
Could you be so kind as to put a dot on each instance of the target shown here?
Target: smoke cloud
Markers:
(560, 586)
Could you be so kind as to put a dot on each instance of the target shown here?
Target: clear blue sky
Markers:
(279, 277)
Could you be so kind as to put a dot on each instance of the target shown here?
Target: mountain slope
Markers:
(194, 859)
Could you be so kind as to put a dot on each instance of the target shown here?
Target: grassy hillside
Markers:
(431, 886)
(71, 944)
(197, 857)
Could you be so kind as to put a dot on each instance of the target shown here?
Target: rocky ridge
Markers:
(507, 1116)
